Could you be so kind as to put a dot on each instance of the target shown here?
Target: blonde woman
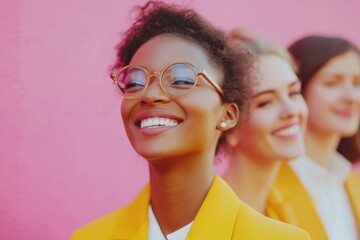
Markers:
(273, 131)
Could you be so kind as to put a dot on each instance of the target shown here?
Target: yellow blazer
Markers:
(290, 202)
(222, 216)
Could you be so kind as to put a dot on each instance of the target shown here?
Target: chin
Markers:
(290, 155)
(348, 132)
(159, 155)
(151, 155)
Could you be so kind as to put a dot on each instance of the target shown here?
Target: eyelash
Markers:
(267, 102)
(330, 84)
(295, 93)
(263, 104)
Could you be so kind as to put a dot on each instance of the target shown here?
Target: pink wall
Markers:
(64, 156)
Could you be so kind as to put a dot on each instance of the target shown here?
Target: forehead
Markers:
(169, 48)
(342, 64)
(273, 73)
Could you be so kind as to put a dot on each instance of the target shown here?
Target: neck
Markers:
(251, 179)
(321, 147)
(178, 189)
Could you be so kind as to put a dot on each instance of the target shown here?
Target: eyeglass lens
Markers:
(177, 79)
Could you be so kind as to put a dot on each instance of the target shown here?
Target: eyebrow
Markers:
(297, 81)
(336, 77)
(339, 78)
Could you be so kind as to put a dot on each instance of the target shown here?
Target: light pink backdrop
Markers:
(64, 156)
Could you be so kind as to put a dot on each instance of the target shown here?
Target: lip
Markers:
(347, 113)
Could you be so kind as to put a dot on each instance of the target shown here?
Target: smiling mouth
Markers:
(344, 113)
(288, 131)
(157, 122)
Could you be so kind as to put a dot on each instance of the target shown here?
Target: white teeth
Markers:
(289, 131)
(157, 121)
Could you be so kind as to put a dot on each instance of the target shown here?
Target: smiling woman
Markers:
(273, 131)
(184, 88)
(322, 189)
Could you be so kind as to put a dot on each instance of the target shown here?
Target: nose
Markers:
(154, 93)
(288, 108)
(350, 92)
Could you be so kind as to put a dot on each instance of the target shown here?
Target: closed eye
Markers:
(133, 85)
(294, 93)
(182, 81)
(263, 104)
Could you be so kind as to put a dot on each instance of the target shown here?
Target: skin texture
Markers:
(333, 98)
(273, 132)
(181, 155)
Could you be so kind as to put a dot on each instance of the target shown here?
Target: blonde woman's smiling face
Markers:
(278, 114)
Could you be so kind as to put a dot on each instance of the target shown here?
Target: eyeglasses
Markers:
(176, 79)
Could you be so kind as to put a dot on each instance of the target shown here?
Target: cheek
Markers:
(261, 120)
(125, 110)
(254, 129)
(317, 100)
(316, 113)
(319, 110)
(204, 124)
(260, 127)
(203, 112)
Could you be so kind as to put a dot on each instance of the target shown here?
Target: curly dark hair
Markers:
(235, 63)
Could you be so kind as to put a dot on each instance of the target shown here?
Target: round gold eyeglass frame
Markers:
(198, 72)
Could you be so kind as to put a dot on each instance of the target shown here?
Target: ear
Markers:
(230, 117)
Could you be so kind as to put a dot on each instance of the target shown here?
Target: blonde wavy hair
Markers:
(260, 46)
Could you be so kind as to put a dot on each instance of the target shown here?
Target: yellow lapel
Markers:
(215, 219)
(134, 224)
(352, 186)
(290, 203)
(278, 208)
(217, 215)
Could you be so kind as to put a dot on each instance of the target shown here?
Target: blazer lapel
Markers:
(134, 225)
(215, 219)
(217, 215)
(352, 186)
(278, 208)
(299, 208)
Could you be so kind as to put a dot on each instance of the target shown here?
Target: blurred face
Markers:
(278, 114)
(162, 126)
(333, 96)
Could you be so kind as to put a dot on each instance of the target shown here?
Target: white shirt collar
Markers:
(338, 169)
(326, 188)
(155, 232)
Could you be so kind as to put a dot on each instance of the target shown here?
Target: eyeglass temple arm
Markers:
(113, 76)
(211, 81)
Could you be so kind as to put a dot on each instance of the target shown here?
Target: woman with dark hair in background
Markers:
(184, 88)
(322, 190)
